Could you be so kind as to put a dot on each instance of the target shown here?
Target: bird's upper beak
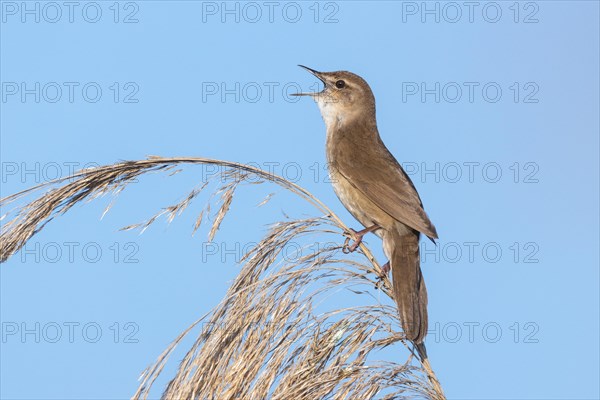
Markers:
(318, 75)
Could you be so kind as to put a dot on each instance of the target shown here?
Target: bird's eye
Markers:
(340, 84)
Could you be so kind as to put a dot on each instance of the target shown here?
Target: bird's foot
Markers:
(385, 270)
(350, 248)
(358, 235)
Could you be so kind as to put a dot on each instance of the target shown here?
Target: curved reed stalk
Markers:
(273, 335)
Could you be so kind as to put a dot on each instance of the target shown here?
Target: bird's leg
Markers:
(358, 239)
(385, 269)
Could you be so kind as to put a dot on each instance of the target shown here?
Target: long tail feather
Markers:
(409, 287)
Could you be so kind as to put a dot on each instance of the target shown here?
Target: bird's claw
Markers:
(348, 248)
(345, 247)
(385, 270)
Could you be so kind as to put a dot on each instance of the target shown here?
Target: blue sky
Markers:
(492, 108)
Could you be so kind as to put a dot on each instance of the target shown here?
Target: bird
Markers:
(375, 189)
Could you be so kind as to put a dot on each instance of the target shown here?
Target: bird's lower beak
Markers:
(315, 73)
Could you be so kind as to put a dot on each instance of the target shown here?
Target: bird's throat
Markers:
(333, 114)
(340, 116)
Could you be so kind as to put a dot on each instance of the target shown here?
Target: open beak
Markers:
(315, 73)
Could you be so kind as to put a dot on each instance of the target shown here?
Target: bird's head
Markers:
(345, 97)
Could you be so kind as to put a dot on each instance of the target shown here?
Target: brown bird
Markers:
(374, 188)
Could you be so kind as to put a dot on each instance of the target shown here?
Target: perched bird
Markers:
(374, 188)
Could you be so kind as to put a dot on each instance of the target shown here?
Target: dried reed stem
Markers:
(272, 336)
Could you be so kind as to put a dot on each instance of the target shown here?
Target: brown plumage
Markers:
(375, 189)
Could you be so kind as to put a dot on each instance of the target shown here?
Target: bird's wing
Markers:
(380, 177)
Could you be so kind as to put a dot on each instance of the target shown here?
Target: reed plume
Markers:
(273, 335)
